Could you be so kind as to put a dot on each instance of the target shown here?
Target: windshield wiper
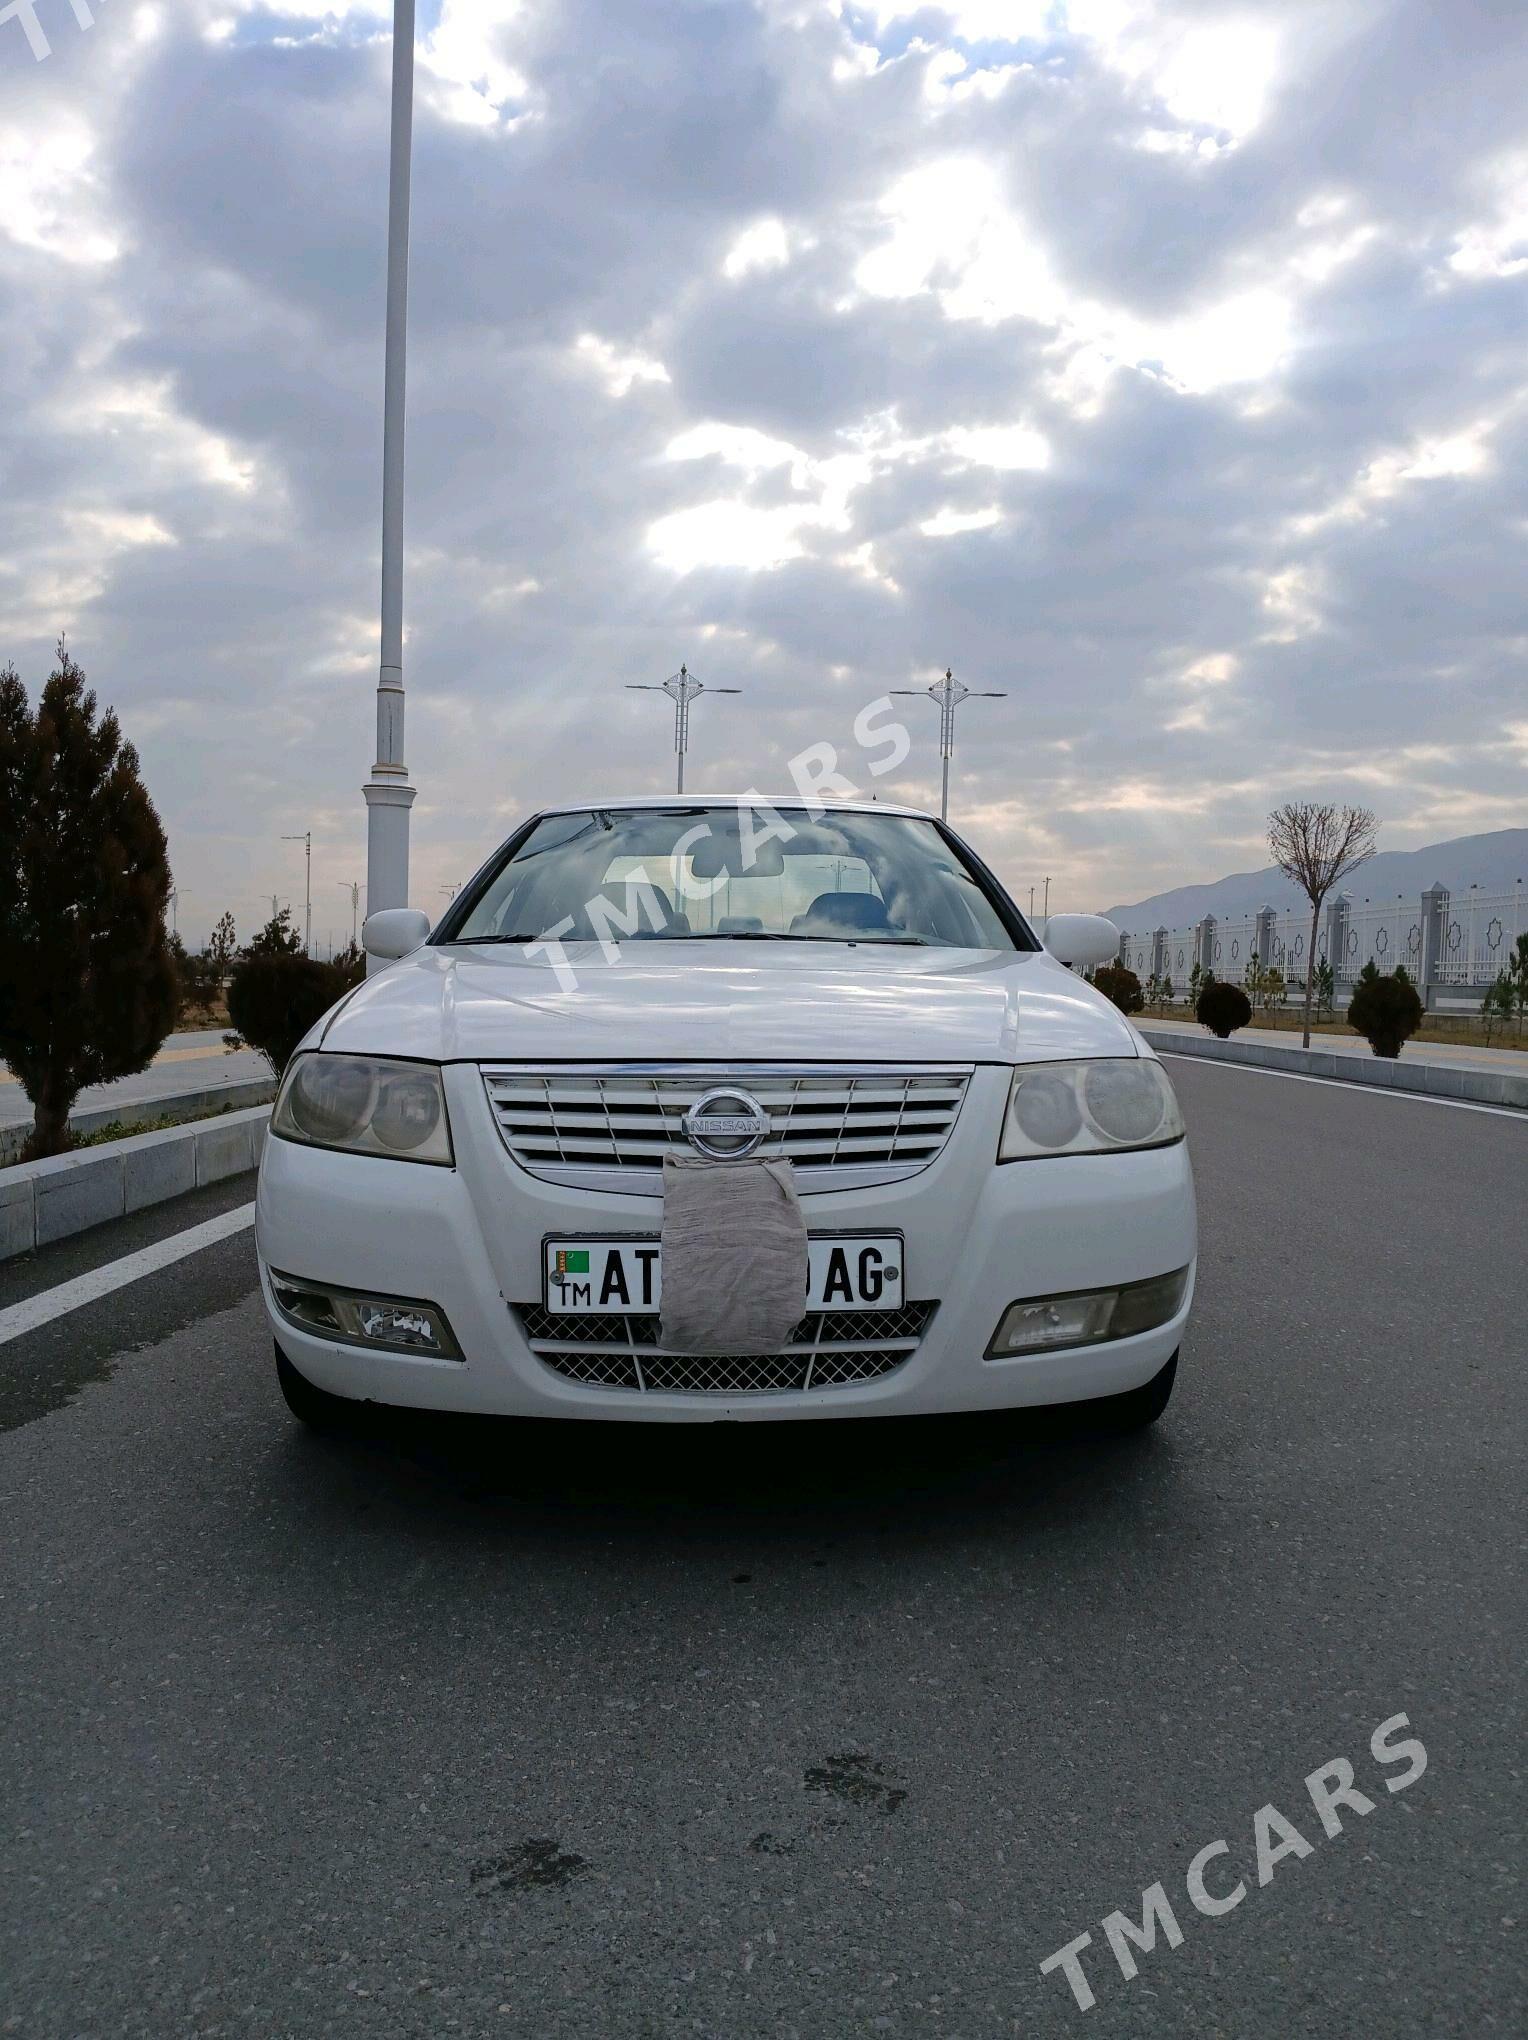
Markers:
(463, 940)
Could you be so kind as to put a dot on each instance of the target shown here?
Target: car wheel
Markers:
(1137, 1407)
(312, 1406)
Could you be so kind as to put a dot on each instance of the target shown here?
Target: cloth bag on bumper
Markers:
(734, 1256)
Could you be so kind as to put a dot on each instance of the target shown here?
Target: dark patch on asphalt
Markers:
(855, 1778)
(46, 1370)
(767, 1844)
(535, 1864)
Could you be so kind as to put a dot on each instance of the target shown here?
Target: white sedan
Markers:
(461, 1202)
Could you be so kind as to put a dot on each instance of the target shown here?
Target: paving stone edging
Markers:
(45, 1201)
(1432, 1079)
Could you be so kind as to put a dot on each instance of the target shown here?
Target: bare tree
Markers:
(1316, 846)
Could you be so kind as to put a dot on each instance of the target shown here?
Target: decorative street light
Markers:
(682, 688)
(355, 889)
(307, 919)
(389, 796)
(950, 693)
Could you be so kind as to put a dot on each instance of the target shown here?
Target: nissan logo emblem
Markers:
(725, 1125)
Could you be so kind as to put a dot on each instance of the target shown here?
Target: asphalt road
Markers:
(778, 1732)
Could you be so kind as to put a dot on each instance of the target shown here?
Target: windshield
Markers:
(751, 874)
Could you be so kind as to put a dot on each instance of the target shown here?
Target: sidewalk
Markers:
(1354, 1044)
(1481, 1076)
(192, 1061)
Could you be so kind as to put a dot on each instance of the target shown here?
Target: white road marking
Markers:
(48, 1304)
(1345, 1084)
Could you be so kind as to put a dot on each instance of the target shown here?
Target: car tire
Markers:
(1137, 1408)
(312, 1406)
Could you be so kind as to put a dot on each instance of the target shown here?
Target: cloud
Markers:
(1159, 364)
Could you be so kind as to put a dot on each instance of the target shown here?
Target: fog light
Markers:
(413, 1325)
(1053, 1321)
(1088, 1316)
(395, 1323)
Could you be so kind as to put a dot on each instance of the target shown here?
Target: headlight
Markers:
(365, 1105)
(1088, 1108)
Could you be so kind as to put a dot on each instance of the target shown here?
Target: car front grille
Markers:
(827, 1350)
(609, 1127)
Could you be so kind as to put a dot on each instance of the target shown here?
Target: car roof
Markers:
(751, 800)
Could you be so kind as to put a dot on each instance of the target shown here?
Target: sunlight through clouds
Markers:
(764, 245)
(948, 523)
(618, 369)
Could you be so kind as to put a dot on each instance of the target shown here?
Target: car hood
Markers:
(723, 1002)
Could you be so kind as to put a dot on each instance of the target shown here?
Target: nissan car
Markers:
(460, 1199)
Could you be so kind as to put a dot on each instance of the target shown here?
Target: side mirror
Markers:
(1082, 941)
(394, 932)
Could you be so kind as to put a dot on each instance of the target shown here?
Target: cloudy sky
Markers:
(1160, 362)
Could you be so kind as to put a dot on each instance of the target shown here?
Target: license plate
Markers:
(624, 1278)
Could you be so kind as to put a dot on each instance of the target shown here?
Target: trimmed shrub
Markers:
(274, 998)
(1222, 1008)
(349, 964)
(1120, 984)
(87, 983)
(1386, 1010)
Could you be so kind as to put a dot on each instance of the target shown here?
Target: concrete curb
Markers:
(238, 1093)
(45, 1201)
(1433, 1080)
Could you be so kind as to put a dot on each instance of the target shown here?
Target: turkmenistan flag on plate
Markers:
(572, 1261)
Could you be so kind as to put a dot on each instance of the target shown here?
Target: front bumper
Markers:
(977, 1237)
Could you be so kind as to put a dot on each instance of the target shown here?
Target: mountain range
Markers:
(1494, 862)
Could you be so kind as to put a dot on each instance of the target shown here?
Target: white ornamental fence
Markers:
(1456, 942)
(1478, 934)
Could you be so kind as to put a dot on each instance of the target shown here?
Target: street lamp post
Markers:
(306, 838)
(355, 889)
(949, 693)
(389, 796)
(682, 688)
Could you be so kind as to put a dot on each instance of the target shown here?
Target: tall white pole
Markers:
(388, 793)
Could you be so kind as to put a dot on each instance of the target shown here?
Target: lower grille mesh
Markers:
(828, 1349)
